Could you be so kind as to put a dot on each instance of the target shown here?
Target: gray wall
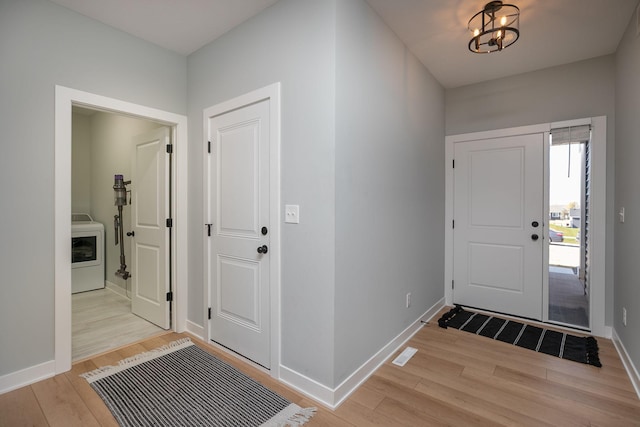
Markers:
(574, 91)
(627, 249)
(292, 42)
(389, 187)
(42, 45)
(357, 141)
(80, 163)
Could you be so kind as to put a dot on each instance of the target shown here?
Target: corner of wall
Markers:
(332, 398)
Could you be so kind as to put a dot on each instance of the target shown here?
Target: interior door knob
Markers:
(534, 224)
(534, 237)
(263, 249)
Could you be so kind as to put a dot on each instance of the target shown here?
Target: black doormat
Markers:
(559, 344)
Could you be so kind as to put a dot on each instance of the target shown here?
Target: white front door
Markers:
(150, 242)
(498, 233)
(237, 208)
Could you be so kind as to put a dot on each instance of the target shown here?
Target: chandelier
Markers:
(494, 28)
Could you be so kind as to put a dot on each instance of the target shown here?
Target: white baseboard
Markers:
(115, 288)
(27, 376)
(307, 386)
(632, 371)
(332, 398)
(603, 331)
(196, 330)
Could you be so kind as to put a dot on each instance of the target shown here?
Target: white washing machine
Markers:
(87, 254)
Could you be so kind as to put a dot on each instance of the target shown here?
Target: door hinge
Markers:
(169, 148)
(209, 229)
(454, 163)
(209, 147)
(209, 313)
(452, 285)
(169, 296)
(453, 223)
(169, 222)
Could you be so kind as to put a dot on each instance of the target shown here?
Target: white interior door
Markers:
(498, 234)
(238, 213)
(150, 242)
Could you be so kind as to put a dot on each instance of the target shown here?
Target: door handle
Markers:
(263, 249)
(534, 224)
(131, 233)
(534, 237)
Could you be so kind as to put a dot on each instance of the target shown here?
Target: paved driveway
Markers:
(564, 254)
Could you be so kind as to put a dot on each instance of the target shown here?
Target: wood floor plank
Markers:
(583, 400)
(487, 401)
(489, 410)
(366, 397)
(61, 404)
(606, 389)
(405, 415)
(486, 350)
(362, 416)
(534, 405)
(21, 408)
(440, 410)
(91, 399)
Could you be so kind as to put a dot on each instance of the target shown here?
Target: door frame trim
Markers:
(272, 93)
(597, 299)
(65, 98)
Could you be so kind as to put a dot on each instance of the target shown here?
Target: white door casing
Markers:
(598, 211)
(150, 279)
(499, 229)
(65, 98)
(238, 208)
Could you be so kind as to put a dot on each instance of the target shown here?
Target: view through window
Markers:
(568, 195)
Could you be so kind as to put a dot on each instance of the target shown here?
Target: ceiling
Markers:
(552, 32)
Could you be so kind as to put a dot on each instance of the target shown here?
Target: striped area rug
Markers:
(559, 344)
(182, 385)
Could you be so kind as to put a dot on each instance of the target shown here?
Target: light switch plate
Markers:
(292, 214)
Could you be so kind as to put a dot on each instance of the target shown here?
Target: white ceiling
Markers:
(552, 32)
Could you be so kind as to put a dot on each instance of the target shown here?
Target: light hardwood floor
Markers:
(455, 378)
(102, 320)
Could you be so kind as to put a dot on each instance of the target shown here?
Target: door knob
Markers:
(263, 249)
(534, 237)
(534, 224)
(131, 233)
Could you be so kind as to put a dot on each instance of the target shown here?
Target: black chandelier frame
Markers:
(489, 35)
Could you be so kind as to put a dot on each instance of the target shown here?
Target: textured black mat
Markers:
(559, 344)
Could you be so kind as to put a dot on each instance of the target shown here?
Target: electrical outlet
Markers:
(624, 316)
(409, 300)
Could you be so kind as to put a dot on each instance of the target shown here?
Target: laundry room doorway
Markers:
(120, 296)
(107, 163)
